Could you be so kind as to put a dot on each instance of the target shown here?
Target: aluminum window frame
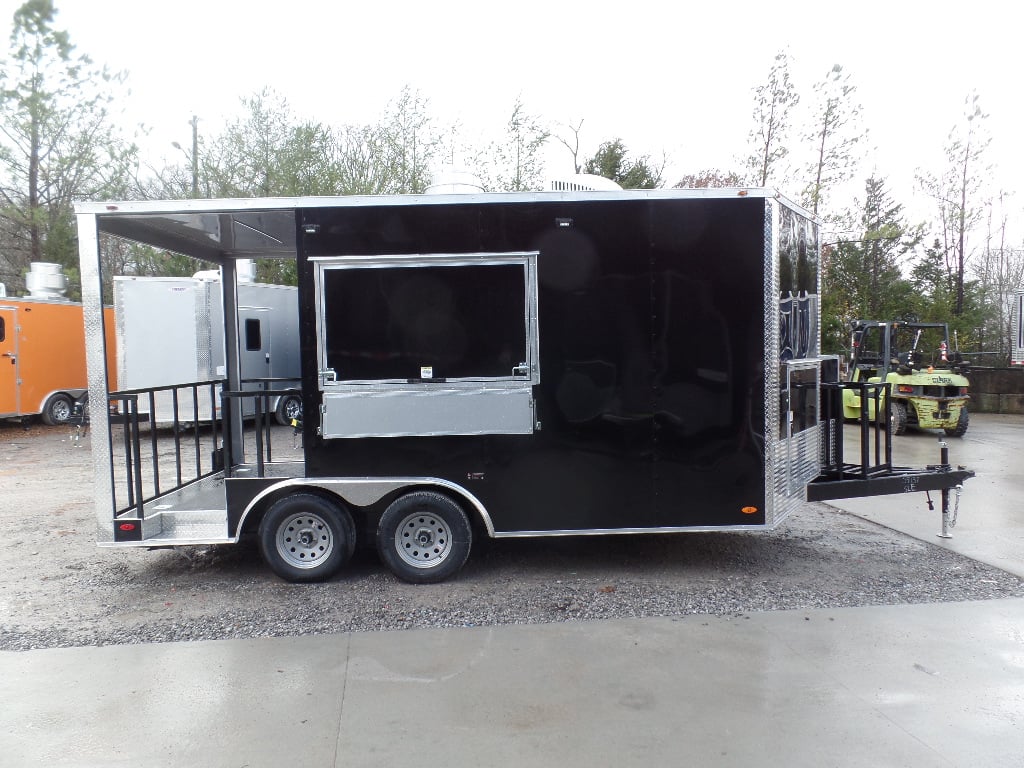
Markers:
(526, 259)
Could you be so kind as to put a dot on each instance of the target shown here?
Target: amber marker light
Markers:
(749, 510)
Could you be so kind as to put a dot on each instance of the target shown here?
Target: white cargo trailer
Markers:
(187, 315)
(1017, 331)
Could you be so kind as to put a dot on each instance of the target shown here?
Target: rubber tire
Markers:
(288, 404)
(961, 425)
(57, 410)
(322, 514)
(899, 417)
(424, 504)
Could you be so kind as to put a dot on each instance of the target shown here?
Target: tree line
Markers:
(61, 142)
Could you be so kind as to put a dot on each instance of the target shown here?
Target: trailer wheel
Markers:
(57, 409)
(288, 407)
(899, 418)
(304, 537)
(424, 537)
(961, 425)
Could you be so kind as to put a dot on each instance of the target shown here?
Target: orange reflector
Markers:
(749, 510)
(905, 388)
(127, 526)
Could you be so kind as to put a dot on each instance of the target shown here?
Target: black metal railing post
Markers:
(225, 413)
(195, 431)
(135, 460)
(154, 452)
(258, 423)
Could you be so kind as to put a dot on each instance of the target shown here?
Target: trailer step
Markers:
(191, 524)
(181, 526)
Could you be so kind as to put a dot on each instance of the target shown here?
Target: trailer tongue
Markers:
(500, 365)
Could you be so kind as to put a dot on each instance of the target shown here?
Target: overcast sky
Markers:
(667, 77)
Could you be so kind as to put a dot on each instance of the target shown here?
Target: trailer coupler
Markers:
(857, 483)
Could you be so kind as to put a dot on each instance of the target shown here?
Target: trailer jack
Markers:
(948, 520)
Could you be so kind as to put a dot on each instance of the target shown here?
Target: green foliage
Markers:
(613, 162)
(933, 286)
(518, 165)
(863, 278)
(58, 143)
(266, 152)
(269, 152)
(709, 178)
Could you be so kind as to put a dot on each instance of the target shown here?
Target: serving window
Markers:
(460, 327)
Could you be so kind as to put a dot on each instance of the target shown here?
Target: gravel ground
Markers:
(61, 590)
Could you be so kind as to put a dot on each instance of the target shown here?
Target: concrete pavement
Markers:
(927, 685)
(990, 525)
(924, 685)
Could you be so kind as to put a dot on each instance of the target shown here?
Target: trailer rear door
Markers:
(438, 344)
(8, 362)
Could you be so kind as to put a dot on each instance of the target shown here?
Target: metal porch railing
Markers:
(172, 436)
(143, 476)
(875, 433)
(263, 420)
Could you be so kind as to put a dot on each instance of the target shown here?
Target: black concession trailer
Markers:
(524, 364)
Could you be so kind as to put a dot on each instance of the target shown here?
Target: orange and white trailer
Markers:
(42, 356)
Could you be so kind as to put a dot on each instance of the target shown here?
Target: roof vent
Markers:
(245, 269)
(583, 182)
(46, 281)
(453, 180)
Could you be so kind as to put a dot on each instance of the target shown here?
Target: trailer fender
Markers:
(362, 492)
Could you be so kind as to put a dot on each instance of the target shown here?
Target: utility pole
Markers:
(195, 156)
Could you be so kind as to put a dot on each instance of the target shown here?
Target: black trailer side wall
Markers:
(651, 335)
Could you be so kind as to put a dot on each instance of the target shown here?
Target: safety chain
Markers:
(956, 507)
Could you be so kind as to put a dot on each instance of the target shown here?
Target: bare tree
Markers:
(957, 192)
(573, 145)
(836, 135)
(773, 102)
(999, 270)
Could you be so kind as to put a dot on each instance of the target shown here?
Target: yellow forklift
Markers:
(927, 378)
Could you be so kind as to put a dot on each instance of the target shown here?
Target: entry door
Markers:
(424, 345)
(9, 405)
(255, 349)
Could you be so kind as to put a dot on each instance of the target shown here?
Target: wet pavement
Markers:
(917, 685)
(990, 519)
(926, 685)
